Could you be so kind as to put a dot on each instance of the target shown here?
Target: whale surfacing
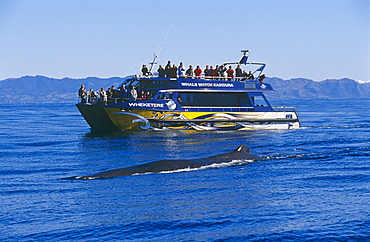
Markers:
(241, 153)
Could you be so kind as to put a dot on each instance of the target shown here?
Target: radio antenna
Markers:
(138, 61)
(155, 57)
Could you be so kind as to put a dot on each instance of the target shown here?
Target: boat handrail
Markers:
(207, 78)
(285, 109)
(217, 109)
(236, 109)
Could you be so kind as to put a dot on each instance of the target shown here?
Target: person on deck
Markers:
(181, 70)
(103, 96)
(222, 70)
(207, 72)
(133, 94)
(124, 92)
(109, 93)
(114, 92)
(82, 93)
(91, 96)
(244, 75)
(174, 71)
(230, 73)
(217, 73)
(167, 69)
(261, 78)
(198, 72)
(213, 72)
(143, 95)
(250, 76)
(238, 71)
(145, 71)
(189, 71)
(161, 71)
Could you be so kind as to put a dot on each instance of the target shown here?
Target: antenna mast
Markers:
(155, 57)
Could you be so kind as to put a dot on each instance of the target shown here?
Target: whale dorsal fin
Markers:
(243, 148)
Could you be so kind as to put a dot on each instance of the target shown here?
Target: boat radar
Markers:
(244, 58)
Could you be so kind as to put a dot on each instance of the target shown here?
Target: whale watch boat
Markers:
(191, 103)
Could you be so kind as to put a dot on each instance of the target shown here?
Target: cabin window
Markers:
(205, 99)
(249, 85)
(163, 84)
(165, 95)
(259, 101)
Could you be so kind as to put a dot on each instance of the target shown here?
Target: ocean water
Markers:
(313, 185)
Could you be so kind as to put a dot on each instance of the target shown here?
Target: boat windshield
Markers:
(128, 81)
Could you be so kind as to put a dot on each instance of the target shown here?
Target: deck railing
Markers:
(218, 109)
(202, 77)
(285, 109)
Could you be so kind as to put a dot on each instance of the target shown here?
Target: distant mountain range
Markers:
(327, 89)
(41, 89)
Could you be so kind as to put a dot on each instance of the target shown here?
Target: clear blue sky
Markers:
(315, 39)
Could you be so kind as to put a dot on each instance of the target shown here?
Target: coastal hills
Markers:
(328, 89)
(41, 89)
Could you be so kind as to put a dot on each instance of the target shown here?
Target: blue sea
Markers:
(313, 184)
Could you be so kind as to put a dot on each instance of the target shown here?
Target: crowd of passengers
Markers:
(219, 72)
(111, 93)
(170, 71)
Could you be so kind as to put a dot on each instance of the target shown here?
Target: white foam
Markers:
(211, 166)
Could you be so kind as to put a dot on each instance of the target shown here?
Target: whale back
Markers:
(241, 153)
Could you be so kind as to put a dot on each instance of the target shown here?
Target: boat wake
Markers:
(338, 127)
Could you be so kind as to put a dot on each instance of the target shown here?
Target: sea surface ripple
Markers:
(313, 185)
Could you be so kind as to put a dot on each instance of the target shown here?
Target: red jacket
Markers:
(230, 73)
(198, 72)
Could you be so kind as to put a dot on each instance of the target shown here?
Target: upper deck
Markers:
(246, 81)
(236, 84)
